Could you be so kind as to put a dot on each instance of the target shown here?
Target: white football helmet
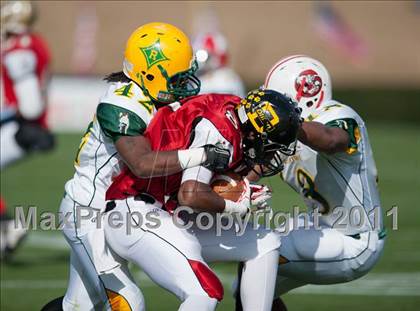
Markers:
(303, 79)
(17, 16)
(211, 51)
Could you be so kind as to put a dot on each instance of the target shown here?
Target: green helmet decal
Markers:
(153, 54)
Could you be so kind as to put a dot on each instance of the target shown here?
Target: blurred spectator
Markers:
(25, 60)
(211, 51)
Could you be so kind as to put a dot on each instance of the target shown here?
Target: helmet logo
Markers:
(264, 118)
(153, 54)
(308, 84)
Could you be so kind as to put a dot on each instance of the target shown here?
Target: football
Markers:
(229, 186)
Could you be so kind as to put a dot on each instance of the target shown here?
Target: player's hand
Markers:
(217, 158)
(243, 205)
(260, 195)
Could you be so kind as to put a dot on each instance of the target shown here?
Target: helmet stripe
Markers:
(282, 61)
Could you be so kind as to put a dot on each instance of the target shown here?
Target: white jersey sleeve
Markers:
(123, 111)
(333, 110)
(205, 133)
(130, 97)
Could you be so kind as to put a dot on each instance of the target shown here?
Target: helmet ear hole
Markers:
(150, 77)
(309, 103)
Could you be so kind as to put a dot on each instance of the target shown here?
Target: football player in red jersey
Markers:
(255, 130)
(25, 59)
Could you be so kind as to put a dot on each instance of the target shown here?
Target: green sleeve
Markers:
(352, 129)
(116, 121)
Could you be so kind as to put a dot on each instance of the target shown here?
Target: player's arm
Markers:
(125, 128)
(144, 162)
(195, 190)
(21, 66)
(253, 175)
(199, 196)
(324, 138)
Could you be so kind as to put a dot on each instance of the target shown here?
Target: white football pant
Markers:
(99, 280)
(169, 255)
(324, 256)
(255, 247)
(176, 258)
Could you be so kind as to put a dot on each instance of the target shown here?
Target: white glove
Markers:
(243, 205)
(260, 195)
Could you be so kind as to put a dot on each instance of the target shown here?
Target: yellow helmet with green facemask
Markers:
(159, 58)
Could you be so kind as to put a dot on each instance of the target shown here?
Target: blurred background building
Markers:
(365, 45)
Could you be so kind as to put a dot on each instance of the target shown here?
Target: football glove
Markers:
(243, 205)
(260, 195)
(217, 158)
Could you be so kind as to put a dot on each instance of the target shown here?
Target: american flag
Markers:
(338, 33)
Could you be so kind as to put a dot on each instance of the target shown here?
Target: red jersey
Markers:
(34, 45)
(173, 129)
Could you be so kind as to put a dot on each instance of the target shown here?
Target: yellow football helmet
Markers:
(17, 16)
(159, 58)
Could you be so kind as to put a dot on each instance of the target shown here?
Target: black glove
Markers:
(217, 158)
(32, 137)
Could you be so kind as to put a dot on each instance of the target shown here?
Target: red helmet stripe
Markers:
(300, 90)
(278, 65)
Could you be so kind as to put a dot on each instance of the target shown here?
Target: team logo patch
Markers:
(124, 123)
(153, 54)
(308, 84)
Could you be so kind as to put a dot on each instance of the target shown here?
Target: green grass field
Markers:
(39, 270)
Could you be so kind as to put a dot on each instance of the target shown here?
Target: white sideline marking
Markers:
(374, 284)
(44, 240)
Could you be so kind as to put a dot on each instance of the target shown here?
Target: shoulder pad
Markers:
(333, 110)
(116, 121)
(130, 97)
